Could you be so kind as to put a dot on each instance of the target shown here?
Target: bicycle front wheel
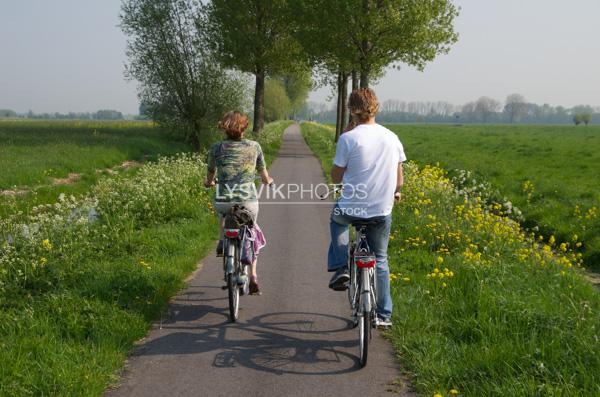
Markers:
(364, 335)
(234, 297)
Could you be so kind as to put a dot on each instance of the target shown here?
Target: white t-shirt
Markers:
(370, 153)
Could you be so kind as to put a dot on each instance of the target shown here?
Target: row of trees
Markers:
(191, 58)
(484, 110)
(105, 114)
(285, 96)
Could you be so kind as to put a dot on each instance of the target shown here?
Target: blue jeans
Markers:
(378, 236)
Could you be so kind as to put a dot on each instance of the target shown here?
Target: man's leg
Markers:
(337, 257)
(378, 237)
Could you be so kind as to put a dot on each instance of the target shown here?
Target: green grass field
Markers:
(75, 294)
(552, 173)
(34, 152)
(479, 306)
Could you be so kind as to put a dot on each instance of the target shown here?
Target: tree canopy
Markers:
(254, 36)
(181, 82)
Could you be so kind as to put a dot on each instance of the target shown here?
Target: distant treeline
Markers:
(483, 110)
(105, 114)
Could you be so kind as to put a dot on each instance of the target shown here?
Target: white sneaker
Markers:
(383, 323)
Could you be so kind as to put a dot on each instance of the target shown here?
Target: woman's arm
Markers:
(265, 178)
(210, 179)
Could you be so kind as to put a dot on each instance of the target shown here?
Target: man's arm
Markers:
(399, 182)
(337, 173)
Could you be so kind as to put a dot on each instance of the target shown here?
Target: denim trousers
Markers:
(378, 235)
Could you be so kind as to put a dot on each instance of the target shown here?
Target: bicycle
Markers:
(235, 273)
(362, 288)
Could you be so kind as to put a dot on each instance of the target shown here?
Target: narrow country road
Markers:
(293, 340)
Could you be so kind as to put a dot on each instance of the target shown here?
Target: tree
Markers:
(5, 113)
(277, 103)
(485, 107)
(256, 37)
(577, 119)
(383, 32)
(586, 118)
(515, 107)
(180, 79)
(106, 114)
(364, 36)
(297, 86)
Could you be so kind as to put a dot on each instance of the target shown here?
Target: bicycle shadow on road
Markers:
(280, 343)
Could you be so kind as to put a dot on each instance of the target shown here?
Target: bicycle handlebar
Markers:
(336, 189)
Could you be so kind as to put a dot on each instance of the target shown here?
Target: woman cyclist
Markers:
(235, 162)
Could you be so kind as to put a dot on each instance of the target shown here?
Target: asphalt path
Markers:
(293, 340)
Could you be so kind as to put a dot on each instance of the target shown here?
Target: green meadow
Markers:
(551, 173)
(35, 153)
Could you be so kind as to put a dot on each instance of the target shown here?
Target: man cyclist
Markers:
(368, 163)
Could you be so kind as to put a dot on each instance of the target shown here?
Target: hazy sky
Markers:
(68, 55)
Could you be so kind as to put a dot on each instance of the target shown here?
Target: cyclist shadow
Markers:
(280, 343)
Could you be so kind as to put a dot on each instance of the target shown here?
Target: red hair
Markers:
(234, 123)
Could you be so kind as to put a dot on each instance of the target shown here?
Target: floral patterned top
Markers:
(236, 163)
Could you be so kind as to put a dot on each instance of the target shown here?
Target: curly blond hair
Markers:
(363, 104)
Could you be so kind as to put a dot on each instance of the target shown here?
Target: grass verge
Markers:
(480, 307)
(82, 279)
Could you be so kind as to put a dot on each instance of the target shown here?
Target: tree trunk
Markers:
(364, 68)
(259, 101)
(355, 84)
(338, 118)
(364, 77)
(193, 137)
(344, 102)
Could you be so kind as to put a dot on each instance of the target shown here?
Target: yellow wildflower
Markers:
(563, 247)
(440, 260)
(144, 265)
(46, 244)
(454, 392)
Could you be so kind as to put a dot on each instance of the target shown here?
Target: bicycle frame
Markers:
(362, 290)
(235, 272)
(362, 295)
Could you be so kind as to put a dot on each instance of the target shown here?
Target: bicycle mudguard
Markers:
(229, 267)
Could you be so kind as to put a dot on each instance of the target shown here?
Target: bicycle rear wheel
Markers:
(364, 335)
(234, 297)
